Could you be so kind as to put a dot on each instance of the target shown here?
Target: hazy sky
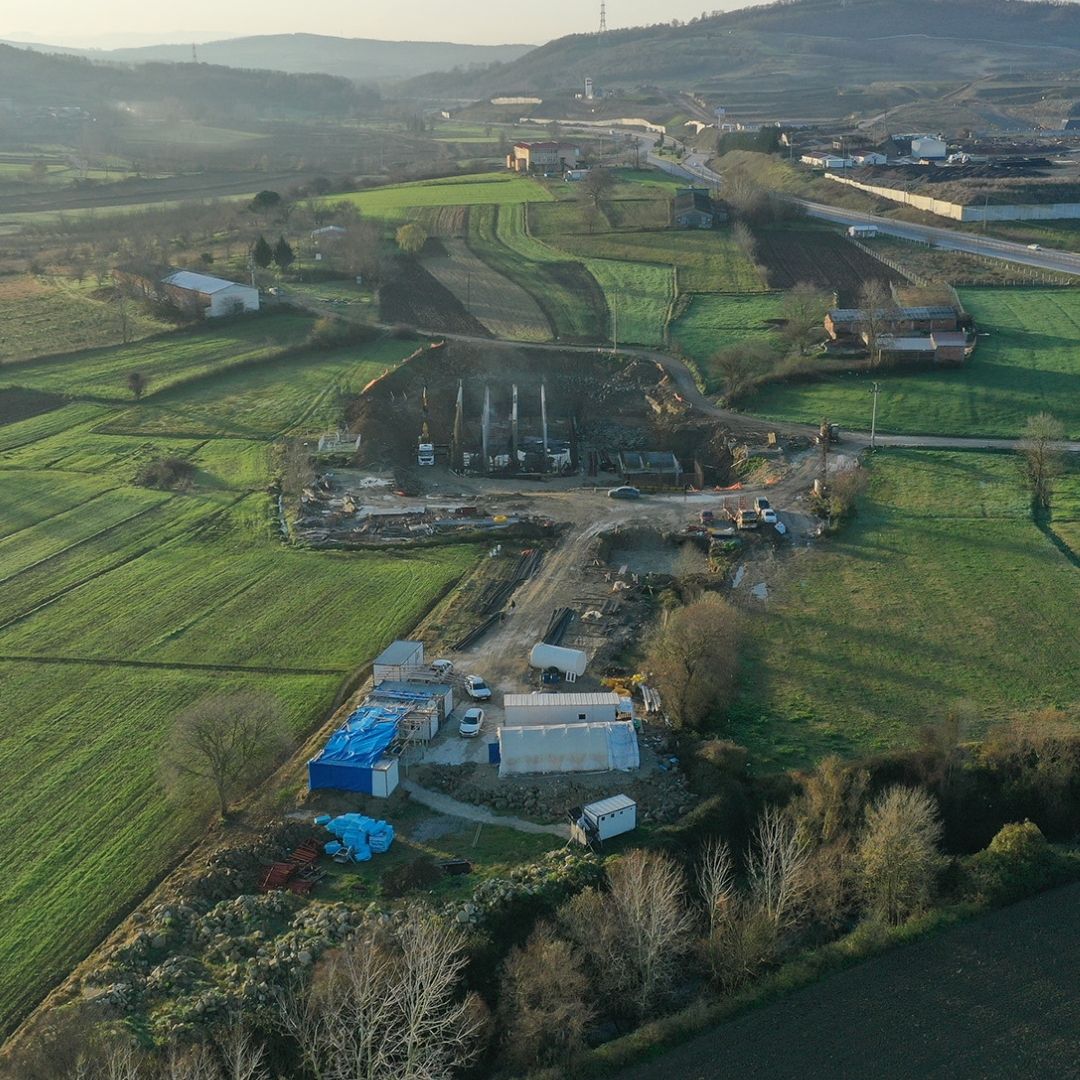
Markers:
(109, 23)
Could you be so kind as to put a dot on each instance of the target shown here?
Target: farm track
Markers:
(151, 665)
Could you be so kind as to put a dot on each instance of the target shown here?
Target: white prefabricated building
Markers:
(605, 818)
(397, 660)
(522, 709)
(564, 748)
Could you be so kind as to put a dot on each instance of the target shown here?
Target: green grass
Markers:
(708, 324)
(298, 393)
(165, 361)
(1028, 364)
(706, 261)
(482, 189)
(119, 606)
(44, 317)
(940, 591)
(639, 296)
(565, 290)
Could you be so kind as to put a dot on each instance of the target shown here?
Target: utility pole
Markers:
(615, 323)
(875, 390)
(468, 291)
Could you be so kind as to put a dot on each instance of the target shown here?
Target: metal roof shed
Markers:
(395, 660)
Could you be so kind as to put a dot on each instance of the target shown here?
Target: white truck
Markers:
(425, 453)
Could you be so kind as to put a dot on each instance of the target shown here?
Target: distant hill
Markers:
(361, 59)
(825, 43)
(30, 78)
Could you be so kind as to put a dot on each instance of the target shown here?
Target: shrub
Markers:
(421, 873)
(166, 473)
(330, 332)
(1016, 863)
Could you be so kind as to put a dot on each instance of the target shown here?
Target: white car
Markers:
(442, 668)
(471, 724)
(768, 516)
(477, 689)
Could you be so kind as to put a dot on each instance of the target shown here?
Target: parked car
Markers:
(768, 516)
(471, 724)
(477, 689)
(624, 492)
(1034, 247)
(761, 503)
(443, 668)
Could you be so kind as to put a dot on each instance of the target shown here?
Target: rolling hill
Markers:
(796, 46)
(360, 59)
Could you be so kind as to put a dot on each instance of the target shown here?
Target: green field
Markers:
(1030, 362)
(119, 606)
(708, 324)
(44, 317)
(940, 591)
(165, 361)
(482, 189)
(706, 261)
(566, 292)
(639, 297)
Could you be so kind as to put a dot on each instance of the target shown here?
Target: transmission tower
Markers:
(603, 16)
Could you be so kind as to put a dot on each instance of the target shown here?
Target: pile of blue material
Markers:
(359, 835)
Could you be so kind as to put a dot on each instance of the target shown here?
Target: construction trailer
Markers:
(567, 748)
(602, 820)
(428, 707)
(524, 709)
(398, 661)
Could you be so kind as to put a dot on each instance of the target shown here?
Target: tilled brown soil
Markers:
(994, 998)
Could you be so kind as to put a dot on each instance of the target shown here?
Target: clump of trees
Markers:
(694, 658)
(167, 473)
(411, 238)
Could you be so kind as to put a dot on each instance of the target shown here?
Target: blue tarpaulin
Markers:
(350, 754)
(361, 835)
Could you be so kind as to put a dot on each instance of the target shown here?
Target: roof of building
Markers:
(417, 693)
(200, 283)
(362, 740)
(906, 344)
(948, 338)
(542, 145)
(329, 230)
(399, 652)
(610, 805)
(854, 314)
(687, 199)
(551, 700)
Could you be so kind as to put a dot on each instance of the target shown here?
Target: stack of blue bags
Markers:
(359, 835)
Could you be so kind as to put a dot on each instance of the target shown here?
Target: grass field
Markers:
(566, 292)
(706, 261)
(482, 189)
(639, 297)
(941, 590)
(42, 317)
(119, 606)
(1030, 362)
(165, 361)
(711, 323)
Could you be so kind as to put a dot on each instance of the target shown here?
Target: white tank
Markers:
(568, 661)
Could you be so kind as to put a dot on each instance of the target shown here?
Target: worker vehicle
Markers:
(624, 492)
(477, 689)
(768, 516)
(746, 519)
(1034, 247)
(761, 503)
(425, 453)
(471, 724)
(442, 668)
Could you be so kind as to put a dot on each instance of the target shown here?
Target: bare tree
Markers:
(597, 184)
(875, 305)
(804, 310)
(744, 239)
(776, 864)
(191, 1063)
(122, 317)
(898, 854)
(544, 1003)
(227, 742)
(716, 882)
(694, 658)
(741, 366)
(1042, 458)
(389, 1006)
(242, 1055)
(832, 801)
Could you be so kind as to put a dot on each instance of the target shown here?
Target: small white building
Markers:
(213, 295)
(869, 157)
(604, 819)
(931, 147)
(525, 709)
(397, 662)
(817, 160)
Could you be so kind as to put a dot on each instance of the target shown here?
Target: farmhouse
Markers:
(848, 322)
(693, 208)
(945, 348)
(820, 159)
(213, 296)
(542, 157)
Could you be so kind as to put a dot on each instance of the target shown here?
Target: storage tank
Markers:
(568, 661)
